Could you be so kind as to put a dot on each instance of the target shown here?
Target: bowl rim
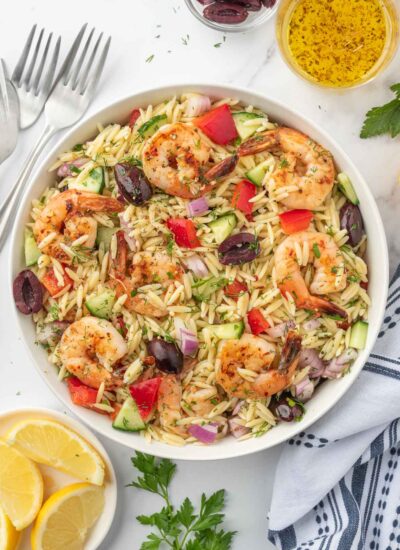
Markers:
(199, 452)
(105, 521)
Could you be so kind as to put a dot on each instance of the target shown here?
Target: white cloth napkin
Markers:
(337, 485)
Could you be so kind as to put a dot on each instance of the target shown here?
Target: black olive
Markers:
(251, 5)
(132, 183)
(28, 292)
(168, 356)
(225, 13)
(285, 410)
(351, 220)
(269, 3)
(239, 249)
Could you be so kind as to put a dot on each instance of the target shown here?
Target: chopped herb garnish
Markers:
(78, 147)
(133, 293)
(316, 250)
(218, 45)
(150, 58)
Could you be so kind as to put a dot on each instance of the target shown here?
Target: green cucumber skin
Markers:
(94, 183)
(229, 331)
(128, 418)
(346, 187)
(31, 249)
(151, 126)
(244, 131)
(101, 305)
(358, 336)
(222, 227)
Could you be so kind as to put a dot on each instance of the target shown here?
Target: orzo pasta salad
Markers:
(197, 271)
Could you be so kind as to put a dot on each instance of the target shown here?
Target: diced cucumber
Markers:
(229, 331)
(222, 227)
(243, 130)
(202, 289)
(151, 126)
(100, 305)
(32, 251)
(256, 174)
(94, 182)
(358, 335)
(128, 419)
(347, 188)
(105, 234)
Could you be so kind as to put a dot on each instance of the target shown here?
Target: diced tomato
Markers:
(235, 289)
(121, 326)
(364, 285)
(184, 232)
(135, 114)
(145, 395)
(257, 321)
(218, 125)
(50, 282)
(244, 191)
(81, 395)
(293, 221)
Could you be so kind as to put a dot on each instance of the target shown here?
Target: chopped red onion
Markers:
(304, 389)
(196, 264)
(336, 366)
(280, 330)
(189, 342)
(197, 105)
(64, 171)
(126, 229)
(51, 332)
(236, 429)
(197, 207)
(206, 434)
(237, 408)
(309, 358)
(312, 324)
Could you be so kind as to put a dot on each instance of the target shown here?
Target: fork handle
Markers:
(8, 207)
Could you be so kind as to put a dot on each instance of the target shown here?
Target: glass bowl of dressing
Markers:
(337, 43)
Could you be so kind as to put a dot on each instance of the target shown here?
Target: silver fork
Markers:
(33, 77)
(66, 104)
(9, 114)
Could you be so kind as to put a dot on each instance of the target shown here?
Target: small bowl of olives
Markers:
(232, 15)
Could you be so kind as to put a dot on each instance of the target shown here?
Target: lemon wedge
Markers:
(9, 536)
(51, 443)
(66, 517)
(21, 486)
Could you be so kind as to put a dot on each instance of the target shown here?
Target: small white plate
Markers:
(54, 480)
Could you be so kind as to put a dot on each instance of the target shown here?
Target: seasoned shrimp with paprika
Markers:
(252, 357)
(89, 348)
(329, 273)
(304, 164)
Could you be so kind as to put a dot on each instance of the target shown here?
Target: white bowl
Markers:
(58, 479)
(326, 395)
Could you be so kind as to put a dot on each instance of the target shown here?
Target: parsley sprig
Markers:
(182, 528)
(384, 119)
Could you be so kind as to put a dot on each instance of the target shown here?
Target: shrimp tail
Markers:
(318, 304)
(290, 352)
(99, 203)
(257, 144)
(221, 169)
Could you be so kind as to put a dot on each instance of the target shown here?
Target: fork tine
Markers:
(85, 75)
(49, 76)
(35, 85)
(3, 87)
(16, 76)
(65, 71)
(79, 64)
(91, 82)
(28, 75)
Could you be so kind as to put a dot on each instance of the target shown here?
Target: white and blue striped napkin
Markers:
(337, 485)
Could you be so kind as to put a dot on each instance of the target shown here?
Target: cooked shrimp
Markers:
(169, 404)
(304, 164)
(175, 158)
(199, 401)
(329, 271)
(145, 268)
(63, 211)
(89, 348)
(272, 374)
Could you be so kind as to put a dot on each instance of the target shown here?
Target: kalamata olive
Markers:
(238, 249)
(132, 183)
(250, 5)
(351, 220)
(286, 409)
(225, 13)
(28, 292)
(269, 3)
(168, 356)
(205, 2)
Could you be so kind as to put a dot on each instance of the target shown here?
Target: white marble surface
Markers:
(247, 60)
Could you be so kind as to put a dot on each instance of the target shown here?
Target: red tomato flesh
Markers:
(145, 395)
(184, 232)
(293, 221)
(235, 289)
(218, 125)
(50, 282)
(257, 321)
(81, 395)
(244, 191)
(135, 114)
